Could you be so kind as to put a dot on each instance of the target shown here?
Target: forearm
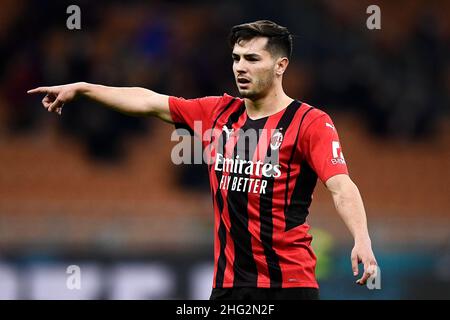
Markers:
(129, 100)
(350, 207)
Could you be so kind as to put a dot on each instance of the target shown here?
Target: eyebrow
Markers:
(247, 56)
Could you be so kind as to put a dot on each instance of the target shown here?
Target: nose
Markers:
(240, 66)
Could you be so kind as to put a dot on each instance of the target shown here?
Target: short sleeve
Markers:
(195, 115)
(322, 148)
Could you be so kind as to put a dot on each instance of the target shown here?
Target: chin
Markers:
(246, 93)
(249, 94)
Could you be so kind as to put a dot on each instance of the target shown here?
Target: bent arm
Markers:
(349, 205)
(133, 101)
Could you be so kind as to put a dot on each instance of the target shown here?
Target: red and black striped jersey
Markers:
(262, 185)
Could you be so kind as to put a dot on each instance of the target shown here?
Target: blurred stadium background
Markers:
(97, 189)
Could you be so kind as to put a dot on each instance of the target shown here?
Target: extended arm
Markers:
(129, 100)
(349, 205)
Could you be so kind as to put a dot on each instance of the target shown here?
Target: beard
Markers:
(258, 89)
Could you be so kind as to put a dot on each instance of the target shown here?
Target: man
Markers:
(261, 191)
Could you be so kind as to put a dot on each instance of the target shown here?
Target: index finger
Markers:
(39, 90)
(354, 260)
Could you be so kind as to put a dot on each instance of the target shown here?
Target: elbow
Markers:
(342, 188)
(146, 105)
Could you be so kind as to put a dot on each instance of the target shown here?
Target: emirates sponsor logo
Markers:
(227, 150)
(247, 167)
(252, 169)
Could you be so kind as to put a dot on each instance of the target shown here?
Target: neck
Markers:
(274, 101)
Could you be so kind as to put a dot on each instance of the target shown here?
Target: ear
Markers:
(281, 65)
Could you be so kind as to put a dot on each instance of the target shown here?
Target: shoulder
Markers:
(219, 101)
(313, 117)
(312, 113)
(207, 102)
(227, 99)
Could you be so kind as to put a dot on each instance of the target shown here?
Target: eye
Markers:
(235, 58)
(252, 58)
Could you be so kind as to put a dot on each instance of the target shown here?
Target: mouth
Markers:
(243, 82)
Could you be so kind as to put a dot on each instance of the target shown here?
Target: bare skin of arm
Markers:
(349, 205)
(132, 101)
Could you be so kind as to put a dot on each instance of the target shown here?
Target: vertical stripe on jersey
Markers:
(266, 205)
(301, 197)
(244, 267)
(221, 264)
(290, 215)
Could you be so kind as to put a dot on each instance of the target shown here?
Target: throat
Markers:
(261, 109)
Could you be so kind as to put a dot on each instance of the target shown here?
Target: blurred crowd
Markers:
(395, 79)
